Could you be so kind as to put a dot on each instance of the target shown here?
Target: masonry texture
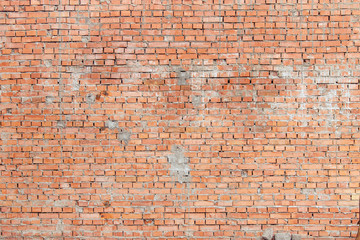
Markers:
(179, 119)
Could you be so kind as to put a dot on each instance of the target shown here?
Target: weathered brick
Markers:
(188, 119)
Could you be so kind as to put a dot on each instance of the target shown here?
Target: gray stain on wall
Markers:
(179, 164)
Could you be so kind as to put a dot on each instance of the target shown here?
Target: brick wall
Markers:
(179, 119)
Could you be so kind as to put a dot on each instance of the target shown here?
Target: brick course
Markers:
(179, 119)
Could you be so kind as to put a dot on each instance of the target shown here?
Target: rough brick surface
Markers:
(179, 119)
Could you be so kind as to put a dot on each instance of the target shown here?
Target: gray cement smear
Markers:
(59, 226)
(268, 234)
(77, 73)
(90, 98)
(183, 76)
(61, 124)
(284, 71)
(85, 39)
(49, 99)
(282, 236)
(47, 63)
(196, 100)
(179, 164)
(330, 105)
(111, 124)
(124, 135)
(296, 237)
(75, 81)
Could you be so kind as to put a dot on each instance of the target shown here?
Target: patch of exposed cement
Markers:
(75, 81)
(268, 234)
(294, 12)
(25, 99)
(308, 191)
(183, 76)
(124, 135)
(4, 137)
(76, 74)
(196, 100)
(296, 237)
(90, 98)
(63, 203)
(60, 226)
(282, 236)
(85, 39)
(61, 124)
(47, 63)
(111, 124)
(179, 164)
(49, 99)
(285, 71)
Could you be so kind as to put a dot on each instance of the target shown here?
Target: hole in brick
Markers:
(148, 221)
(106, 204)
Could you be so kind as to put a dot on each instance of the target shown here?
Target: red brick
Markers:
(176, 119)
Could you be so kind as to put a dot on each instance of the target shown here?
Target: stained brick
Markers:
(230, 116)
